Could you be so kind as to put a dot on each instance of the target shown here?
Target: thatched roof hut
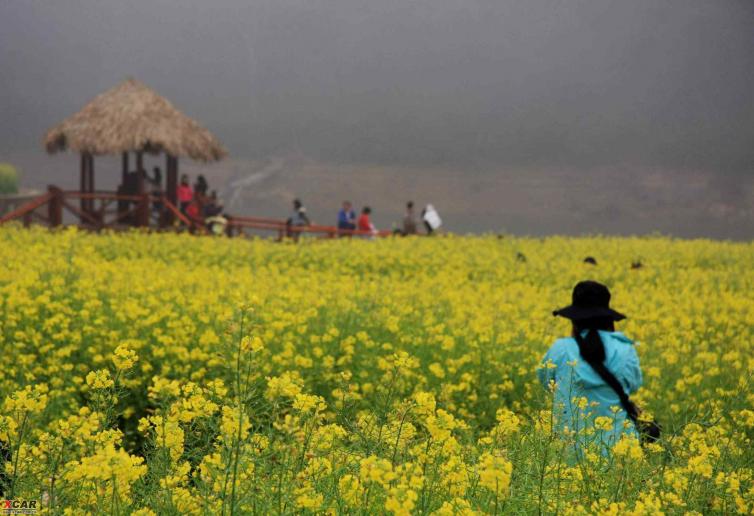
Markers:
(133, 117)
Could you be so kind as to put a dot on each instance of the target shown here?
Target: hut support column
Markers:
(84, 184)
(140, 171)
(90, 186)
(55, 206)
(124, 172)
(142, 213)
(171, 186)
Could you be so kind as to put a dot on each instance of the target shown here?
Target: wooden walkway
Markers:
(97, 211)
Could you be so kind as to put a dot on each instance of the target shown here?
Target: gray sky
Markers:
(433, 81)
(470, 84)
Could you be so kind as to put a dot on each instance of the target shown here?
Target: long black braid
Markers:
(592, 350)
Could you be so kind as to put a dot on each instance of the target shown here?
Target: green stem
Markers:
(18, 454)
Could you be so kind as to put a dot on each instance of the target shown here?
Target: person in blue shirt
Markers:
(585, 405)
(347, 217)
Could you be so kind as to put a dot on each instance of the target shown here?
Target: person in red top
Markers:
(185, 193)
(364, 223)
(194, 214)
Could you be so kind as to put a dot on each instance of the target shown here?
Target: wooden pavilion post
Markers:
(84, 183)
(171, 186)
(90, 185)
(55, 206)
(140, 169)
(142, 213)
(124, 172)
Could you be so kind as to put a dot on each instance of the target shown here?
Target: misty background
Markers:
(528, 116)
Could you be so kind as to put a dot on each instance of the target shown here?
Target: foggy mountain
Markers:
(534, 116)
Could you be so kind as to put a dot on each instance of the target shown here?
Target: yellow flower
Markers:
(458, 507)
(425, 403)
(235, 424)
(307, 402)
(374, 469)
(746, 417)
(144, 511)
(252, 344)
(455, 476)
(495, 473)
(436, 369)
(628, 447)
(30, 399)
(401, 501)
(508, 423)
(603, 423)
(168, 434)
(283, 385)
(350, 490)
(99, 379)
(580, 402)
(308, 498)
(124, 358)
(113, 468)
(164, 388)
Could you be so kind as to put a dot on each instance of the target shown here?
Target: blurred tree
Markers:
(8, 179)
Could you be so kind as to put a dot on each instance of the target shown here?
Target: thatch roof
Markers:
(133, 117)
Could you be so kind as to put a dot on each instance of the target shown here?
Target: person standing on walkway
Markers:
(409, 220)
(431, 219)
(347, 217)
(185, 193)
(298, 218)
(365, 222)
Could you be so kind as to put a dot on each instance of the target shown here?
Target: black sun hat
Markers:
(589, 300)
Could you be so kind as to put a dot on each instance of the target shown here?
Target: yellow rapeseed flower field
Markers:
(169, 374)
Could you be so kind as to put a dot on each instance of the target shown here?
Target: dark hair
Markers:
(297, 203)
(410, 204)
(201, 184)
(366, 209)
(591, 348)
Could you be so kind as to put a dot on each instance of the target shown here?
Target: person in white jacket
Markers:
(431, 219)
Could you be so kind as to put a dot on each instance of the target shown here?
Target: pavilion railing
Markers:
(98, 210)
(108, 210)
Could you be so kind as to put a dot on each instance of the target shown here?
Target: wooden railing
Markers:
(26, 212)
(108, 210)
(238, 224)
(98, 210)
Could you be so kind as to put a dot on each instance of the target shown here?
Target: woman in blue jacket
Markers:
(584, 402)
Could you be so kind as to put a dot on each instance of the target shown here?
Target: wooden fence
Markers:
(107, 210)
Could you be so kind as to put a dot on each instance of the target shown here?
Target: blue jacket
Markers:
(346, 219)
(582, 381)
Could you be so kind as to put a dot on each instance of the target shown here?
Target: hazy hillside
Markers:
(534, 201)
